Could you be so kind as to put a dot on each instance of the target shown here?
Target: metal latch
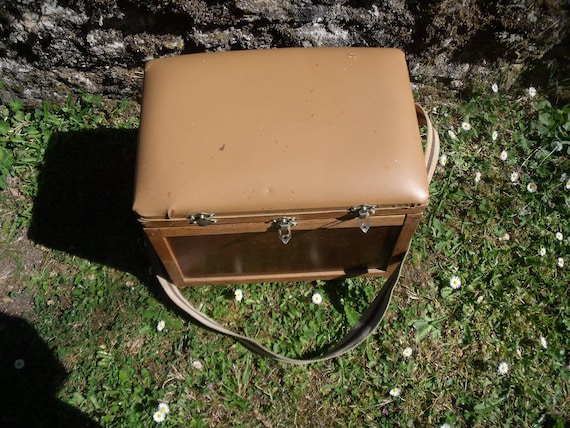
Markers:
(202, 219)
(363, 212)
(283, 226)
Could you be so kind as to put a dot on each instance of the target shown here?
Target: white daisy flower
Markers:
(560, 262)
(466, 126)
(503, 368)
(158, 416)
(543, 342)
(504, 155)
(559, 236)
(532, 92)
(19, 364)
(407, 352)
(514, 176)
(495, 135)
(443, 160)
(317, 299)
(477, 177)
(495, 88)
(505, 237)
(532, 187)
(160, 326)
(197, 365)
(445, 426)
(395, 392)
(455, 282)
(163, 407)
(558, 146)
(452, 134)
(238, 294)
(542, 252)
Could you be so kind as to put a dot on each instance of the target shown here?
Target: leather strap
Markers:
(431, 151)
(367, 323)
(362, 329)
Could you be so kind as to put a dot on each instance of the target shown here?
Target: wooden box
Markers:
(279, 165)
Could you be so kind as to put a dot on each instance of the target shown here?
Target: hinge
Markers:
(363, 213)
(202, 219)
(283, 226)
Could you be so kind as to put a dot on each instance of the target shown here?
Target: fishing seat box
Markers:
(279, 165)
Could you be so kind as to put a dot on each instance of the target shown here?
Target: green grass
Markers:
(96, 307)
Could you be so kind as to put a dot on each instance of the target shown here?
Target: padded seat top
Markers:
(279, 130)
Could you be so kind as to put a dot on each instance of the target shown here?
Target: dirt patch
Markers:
(19, 259)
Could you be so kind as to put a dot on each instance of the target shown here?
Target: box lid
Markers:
(276, 131)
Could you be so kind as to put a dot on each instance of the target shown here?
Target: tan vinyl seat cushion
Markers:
(276, 131)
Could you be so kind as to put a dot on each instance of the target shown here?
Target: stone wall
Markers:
(49, 48)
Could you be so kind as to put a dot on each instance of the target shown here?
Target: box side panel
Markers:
(403, 243)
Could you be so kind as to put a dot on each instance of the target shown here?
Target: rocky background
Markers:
(49, 48)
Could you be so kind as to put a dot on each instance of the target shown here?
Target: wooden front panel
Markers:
(308, 251)
(254, 253)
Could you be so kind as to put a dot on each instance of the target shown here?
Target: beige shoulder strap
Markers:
(367, 323)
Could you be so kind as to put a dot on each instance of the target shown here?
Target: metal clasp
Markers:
(283, 226)
(202, 219)
(363, 213)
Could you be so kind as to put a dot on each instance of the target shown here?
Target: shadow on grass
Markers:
(31, 377)
(83, 206)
